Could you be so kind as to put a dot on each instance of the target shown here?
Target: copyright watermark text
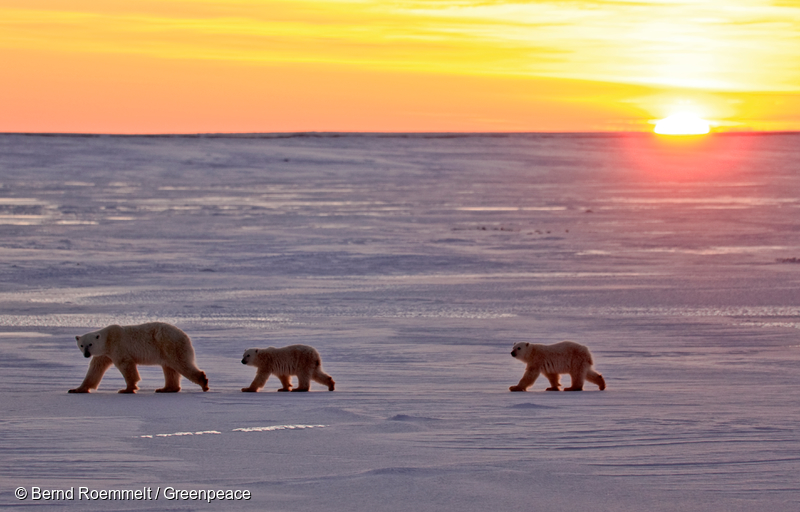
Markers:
(167, 493)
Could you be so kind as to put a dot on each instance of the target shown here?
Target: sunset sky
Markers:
(200, 66)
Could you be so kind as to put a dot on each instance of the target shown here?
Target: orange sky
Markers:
(199, 66)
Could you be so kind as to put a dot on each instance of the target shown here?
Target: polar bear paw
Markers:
(203, 382)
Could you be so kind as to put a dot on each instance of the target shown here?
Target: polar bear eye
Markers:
(97, 337)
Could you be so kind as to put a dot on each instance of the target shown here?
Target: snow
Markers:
(413, 264)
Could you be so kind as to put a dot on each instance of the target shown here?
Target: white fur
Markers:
(300, 360)
(126, 346)
(553, 360)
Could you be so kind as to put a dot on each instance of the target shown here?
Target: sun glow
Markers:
(683, 123)
(191, 66)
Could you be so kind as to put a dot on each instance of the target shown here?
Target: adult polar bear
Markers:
(552, 360)
(153, 343)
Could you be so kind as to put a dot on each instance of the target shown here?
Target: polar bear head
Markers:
(521, 350)
(93, 343)
(249, 356)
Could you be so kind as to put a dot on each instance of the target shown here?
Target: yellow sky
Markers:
(379, 65)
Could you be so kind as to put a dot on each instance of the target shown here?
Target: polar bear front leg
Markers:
(258, 382)
(555, 381)
(286, 382)
(97, 368)
(527, 380)
(131, 375)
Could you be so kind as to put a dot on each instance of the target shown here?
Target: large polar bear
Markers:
(300, 360)
(552, 360)
(126, 346)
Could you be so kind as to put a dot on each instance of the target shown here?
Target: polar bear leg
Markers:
(286, 382)
(555, 381)
(303, 381)
(577, 381)
(527, 380)
(191, 372)
(323, 378)
(595, 378)
(131, 375)
(258, 382)
(97, 368)
(172, 381)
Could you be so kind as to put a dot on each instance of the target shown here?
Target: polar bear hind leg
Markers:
(323, 378)
(191, 372)
(172, 381)
(577, 382)
(303, 381)
(199, 378)
(595, 378)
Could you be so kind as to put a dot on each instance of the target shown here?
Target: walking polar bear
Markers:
(126, 346)
(552, 360)
(300, 360)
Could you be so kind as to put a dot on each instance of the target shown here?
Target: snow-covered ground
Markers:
(413, 264)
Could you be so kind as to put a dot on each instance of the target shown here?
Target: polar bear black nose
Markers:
(244, 361)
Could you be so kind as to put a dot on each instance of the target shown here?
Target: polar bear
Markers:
(552, 360)
(126, 346)
(300, 360)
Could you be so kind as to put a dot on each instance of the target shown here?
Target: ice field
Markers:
(413, 264)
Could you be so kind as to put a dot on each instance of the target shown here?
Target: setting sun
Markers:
(214, 66)
(682, 124)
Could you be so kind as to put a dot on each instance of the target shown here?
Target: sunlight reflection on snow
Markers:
(86, 320)
(271, 428)
(275, 427)
(180, 434)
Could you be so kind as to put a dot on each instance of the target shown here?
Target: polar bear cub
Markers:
(300, 360)
(552, 360)
(126, 346)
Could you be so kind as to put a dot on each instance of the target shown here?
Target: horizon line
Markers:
(323, 134)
